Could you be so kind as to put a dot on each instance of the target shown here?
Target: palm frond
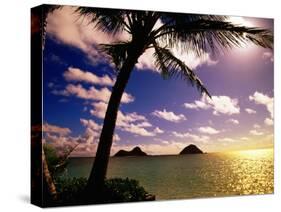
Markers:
(107, 20)
(171, 66)
(117, 51)
(207, 35)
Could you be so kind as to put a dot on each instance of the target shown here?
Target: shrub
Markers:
(123, 190)
(71, 190)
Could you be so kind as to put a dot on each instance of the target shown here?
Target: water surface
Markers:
(187, 176)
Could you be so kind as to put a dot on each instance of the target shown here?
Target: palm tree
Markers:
(199, 33)
(38, 32)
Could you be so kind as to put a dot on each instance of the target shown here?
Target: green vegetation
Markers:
(71, 191)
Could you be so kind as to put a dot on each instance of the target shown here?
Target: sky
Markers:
(161, 116)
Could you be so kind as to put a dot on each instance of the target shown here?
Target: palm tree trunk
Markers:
(48, 178)
(98, 173)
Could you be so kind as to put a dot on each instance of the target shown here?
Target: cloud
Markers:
(256, 126)
(78, 75)
(268, 121)
(196, 138)
(230, 140)
(233, 121)
(48, 128)
(157, 130)
(190, 58)
(144, 124)
(92, 131)
(60, 139)
(260, 98)
(268, 56)
(250, 111)
(134, 129)
(255, 132)
(202, 104)
(245, 138)
(99, 109)
(67, 27)
(208, 130)
(92, 93)
(169, 116)
(219, 105)
(129, 122)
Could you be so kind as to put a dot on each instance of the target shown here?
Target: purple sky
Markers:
(160, 116)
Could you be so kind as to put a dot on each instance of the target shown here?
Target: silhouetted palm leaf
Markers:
(107, 20)
(118, 52)
(171, 66)
(205, 35)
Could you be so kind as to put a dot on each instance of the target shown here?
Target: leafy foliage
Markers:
(56, 160)
(71, 190)
(123, 190)
(52, 157)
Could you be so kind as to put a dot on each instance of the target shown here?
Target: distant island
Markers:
(191, 149)
(134, 152)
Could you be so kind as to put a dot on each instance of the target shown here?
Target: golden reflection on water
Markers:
(252, 172)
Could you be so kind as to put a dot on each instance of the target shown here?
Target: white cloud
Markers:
(256, 126)
(129, 122)
(99, 109)
(144, 124)
(224, 105)
(268, 56)
(66, 26)
(250, 111)
(48, 128)
(78, 75)
(157, 130)
(268, 121)
(260, 98)
(233, 121)
(196, 138)
(169, 116)
(190, 58)
(92, 93)
(230, 140)
(219, 105)
(134, 129)
(91, 124)
(255, 132)
(202, 104)
(245, 138)
(208, 130)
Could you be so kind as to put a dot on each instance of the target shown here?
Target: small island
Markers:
(134, 152)
(191, 149)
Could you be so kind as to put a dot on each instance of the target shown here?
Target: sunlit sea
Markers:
(189, 176)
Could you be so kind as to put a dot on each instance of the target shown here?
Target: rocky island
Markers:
(134, 152)
(191, 149)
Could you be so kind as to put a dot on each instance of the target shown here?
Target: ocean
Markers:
(191, 176)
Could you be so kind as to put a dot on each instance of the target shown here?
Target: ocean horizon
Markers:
(190, 176)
